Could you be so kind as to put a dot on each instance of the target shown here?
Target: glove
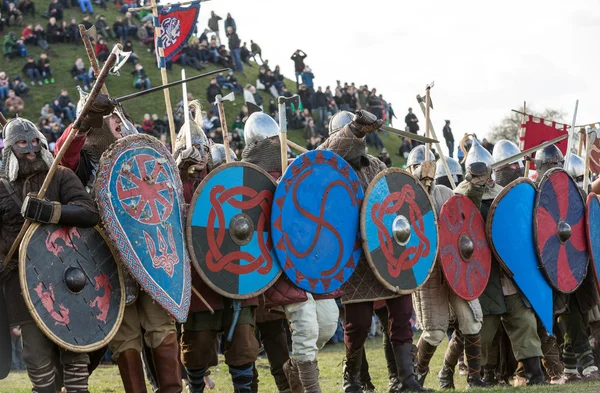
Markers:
(102, 106)
(365, 123)
(478, 174)
(40, 210)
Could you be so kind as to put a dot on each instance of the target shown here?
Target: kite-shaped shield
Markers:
(72, 285)
(398, 225)
(509, 229)
(140, 199)
(593, 234)
(228, 231)
(560, 232)
(465, 254)
(315, 221)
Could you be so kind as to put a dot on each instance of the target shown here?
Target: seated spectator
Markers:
(73, 31)
(4, 86)
(55, 10)
(266, 81)
(277, 74)
(86, 22)
(26, 7)
(66, 106)
(9, 48)
(127, 4)
(273, 110)
(297, 121)
(120, 29)
(248, 96)
(140, 79)
(203, 53)
(102, 51)
(40, 37)
(244, 113)
(231, 79)
(245, 54)
(187, 58)
(27, 35)
(146, 34)
(130, 25)
(103, 28)
(128, 47)
(212, 91)
(147, 124)
(31, 70)
(22, 49)
(21, 89)
(79, 72)
(53, 31)
(237, 125)
(216, 134)
(223, 82)
(14, 16)
(385, 158)
(225, 58)
(309, 130)
(159, 125)
(44, 67)
(14, 104)
(86, 6)
(257, 97)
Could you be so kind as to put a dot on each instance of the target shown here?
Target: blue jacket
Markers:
(307, 78)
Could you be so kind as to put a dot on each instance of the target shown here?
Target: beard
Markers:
(28, 167)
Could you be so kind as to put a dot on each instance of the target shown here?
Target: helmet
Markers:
(504, 149)
(478, 153)
(259, 126)
(199, 141)
(453, 165)
(339, 120)
(549, 155)
(20, 129)
(417, 156)
(575, 167)
(217, 151)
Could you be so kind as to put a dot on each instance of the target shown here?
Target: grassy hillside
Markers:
(62, 57)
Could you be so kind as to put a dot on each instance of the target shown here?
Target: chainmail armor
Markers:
(265, 153)
(354, 150)
(507, 175)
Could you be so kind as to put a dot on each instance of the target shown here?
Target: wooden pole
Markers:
(203, 300)
(165, 80)
(582, 136)
(225, 131)
(427, 120)
(283, 141)
(91, 54)
(522, 132)
(589, 140)
(296, 146)
(539, 118)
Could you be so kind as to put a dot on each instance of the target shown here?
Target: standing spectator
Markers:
(212, 91)
(412, 124)
(31, 70)
(79, 72)
(14, 104)
(15, 17)
(307, 79)
(374, 104)
(27, 35)
(391, 114)
(102, 50)
(4, 86)
(229, 22)
(245, 54)
(26, 7)
(385, 158)
(321, 108)
(489, 146)
(298, 58)
(449, 137)
(234, 48)
(305, 97)
(213, 24)
(140, 79)
(86, 5)
(103, 28)
(66, 106)
(55, 10)
(256, 51)
(53, 31)
(43, 65)
(10, 49)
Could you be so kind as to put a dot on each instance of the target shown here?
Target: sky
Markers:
(486, 57)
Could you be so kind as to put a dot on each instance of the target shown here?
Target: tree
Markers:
(509, 127)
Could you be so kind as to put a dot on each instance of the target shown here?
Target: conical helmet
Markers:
(339, 120)
(504, 149)
(478, 153)
(453, 165)
(259, 126)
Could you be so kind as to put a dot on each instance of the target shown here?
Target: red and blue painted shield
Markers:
(560, 232)
(229, 231)
(399, 229)
(176, 24)
(72, 285)
(593, 233)
(140, 199)
(315, 221)
(510, 233)
(465, 255)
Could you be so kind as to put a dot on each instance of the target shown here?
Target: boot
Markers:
(405, 363)
(309, 376)
(489, 375)
(132, 371)
(533, 371)
(254, 384)
(394, 383)
(352, 368)
(365, 377)
(446, 377)
(473, 358)
(196, 380)
(290, 368)
(425, 352)
(166, 364)
(274, 341)
(76, 377)
(241, 377)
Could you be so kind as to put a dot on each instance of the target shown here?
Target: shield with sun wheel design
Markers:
(560, 231)
(315, 221)
(228, 231)
(399, 229)
(140, 199)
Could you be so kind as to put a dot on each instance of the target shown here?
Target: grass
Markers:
(62, 57)
(107, 380)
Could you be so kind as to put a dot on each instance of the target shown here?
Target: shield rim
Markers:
(188, 234)
(363, 233)
(40, 323)
(535, 226)
(486, 240)
(588, 201)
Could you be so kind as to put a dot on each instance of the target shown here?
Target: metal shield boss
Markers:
(315, 221)
(592, 223)
(140, 199)
(398, 225)
(228, 231)
(72, 285)
(465, 255)
(560, 231)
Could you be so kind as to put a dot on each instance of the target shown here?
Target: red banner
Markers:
(538, 133)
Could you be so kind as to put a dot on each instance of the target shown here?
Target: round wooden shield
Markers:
(398, 225)
(72, 285)
(560, 232)
(315, 221)
(593, 233)
(509, 228)
(228, 231)
(465, 255)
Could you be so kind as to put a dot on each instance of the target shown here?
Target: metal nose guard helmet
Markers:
(339, 120)
(23, 130)
(504, 149)
(478, 153)
(417, 156)
(259, 126)
(217, 151)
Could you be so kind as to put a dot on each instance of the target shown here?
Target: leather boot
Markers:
(473, 358)
(166, 364)
(446, 377)
(132, 371)
(365, 376)
(405, 363)
(352, 368)
(290, 368)
(533, 371)
(394, 382)
(309, 376)
(196, 381)
(489, 375)
(241, 377)
(274, 341)
(254, 384)
(425, 352)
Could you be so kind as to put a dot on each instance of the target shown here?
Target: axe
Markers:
(219, 103)
(281, 101)
(85, 37)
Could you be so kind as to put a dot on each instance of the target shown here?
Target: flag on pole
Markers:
(176, 25)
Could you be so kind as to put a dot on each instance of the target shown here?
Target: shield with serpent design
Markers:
(315, 221)
(593, 234)
(465, 255)
(399, 229)
(228, 231)
(560, 232)
(140, 199)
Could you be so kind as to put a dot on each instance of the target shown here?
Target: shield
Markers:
(509, 229)
(559, 228)
(593, 233)
(72, 285)
(140, 199)
(315, 221)
(228, 231)
(398, 225)
(465, 255)
(5, 341)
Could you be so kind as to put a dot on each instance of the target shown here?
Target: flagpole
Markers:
(163, 74)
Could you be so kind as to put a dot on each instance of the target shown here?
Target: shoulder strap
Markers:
(11, 192)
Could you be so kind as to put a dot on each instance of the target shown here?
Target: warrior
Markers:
(441, 177)
(144, 318)
(26, 161)
(432, 299)
(312, 318)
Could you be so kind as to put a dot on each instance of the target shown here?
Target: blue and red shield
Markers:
(176, 25)
(315, 221)
(560, 232)
(140, 198)
(593, 234)
(229, 231)
(399, 229)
